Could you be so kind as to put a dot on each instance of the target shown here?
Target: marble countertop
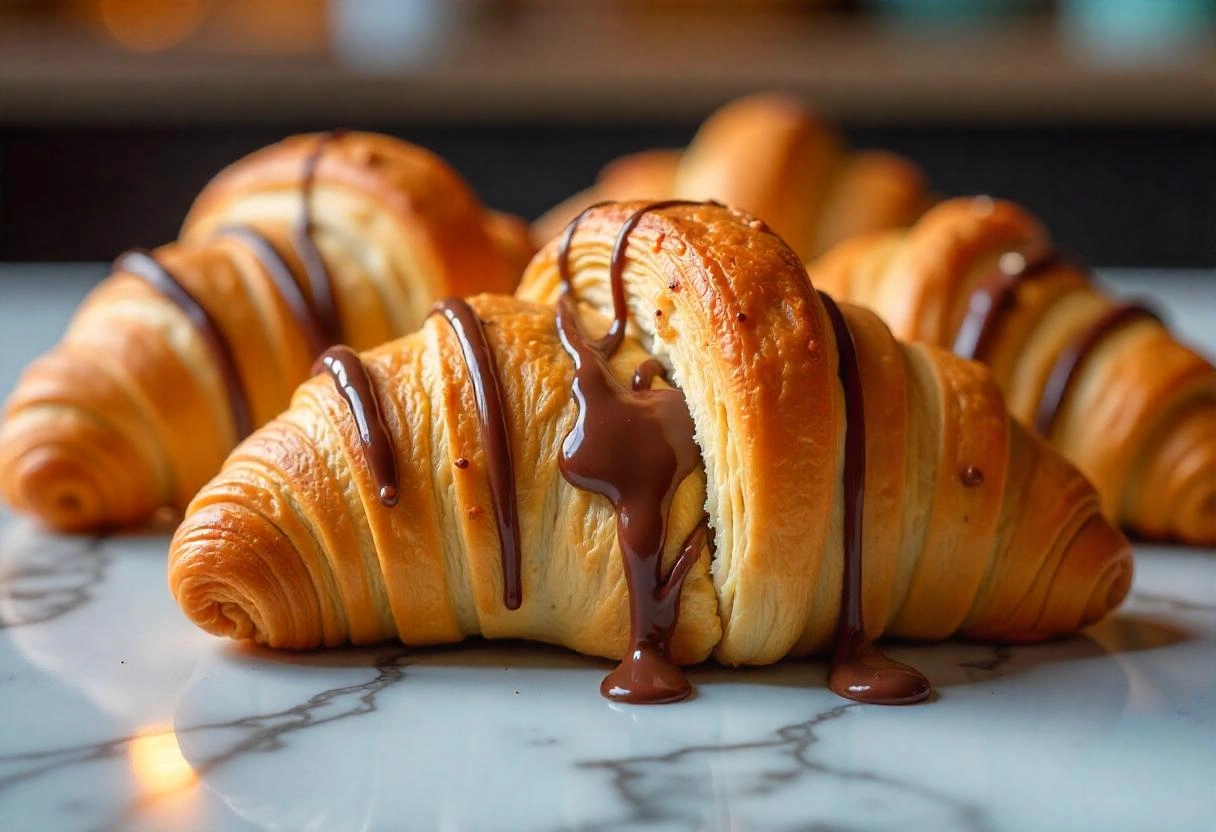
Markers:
(116, 713)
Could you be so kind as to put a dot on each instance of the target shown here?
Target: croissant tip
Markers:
(59, 487)
(212, 606)
(1116, 582)
(220, 574)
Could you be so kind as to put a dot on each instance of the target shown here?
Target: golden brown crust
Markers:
(1140, 417)
(291, 546)
(437, 239)
(130, 411)
(769, 414)
(770, 455)
(512, 237)
(648, 174)
(771, 156)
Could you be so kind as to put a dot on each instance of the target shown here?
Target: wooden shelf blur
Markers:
(596, 67)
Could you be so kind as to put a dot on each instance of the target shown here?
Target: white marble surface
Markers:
(115, 713)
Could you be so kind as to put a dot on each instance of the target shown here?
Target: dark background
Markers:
(1140, 196)
(1098, 116)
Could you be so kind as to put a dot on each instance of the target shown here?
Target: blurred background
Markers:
(1100, 115)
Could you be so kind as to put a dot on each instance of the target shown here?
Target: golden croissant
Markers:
(770, 155)
(179, 353)
(502, 473)
(1102, 380)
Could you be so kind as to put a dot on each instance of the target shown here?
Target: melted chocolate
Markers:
(323, 302)
(646, 373)
(860, 671)
(971, 476)
(993, 297)
(657, 428)
(284, 282)
(355, 385)
(1073, 356)
(145, 266)
(491, 412)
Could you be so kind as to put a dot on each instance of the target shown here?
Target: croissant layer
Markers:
(770, 155)
(1103, 380)
(294, 545)
(180, 352)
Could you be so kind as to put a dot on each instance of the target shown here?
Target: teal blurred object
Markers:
(952, 12)
(1138, 31)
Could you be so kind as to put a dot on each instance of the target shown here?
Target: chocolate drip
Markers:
(971, 477)
(355, 385)
(146, 267)
(1073, 356)
(284, 281)
(491, 411)
(658, 431)
(860, 671)
(993, 297)
(646, 373)
(320, 287)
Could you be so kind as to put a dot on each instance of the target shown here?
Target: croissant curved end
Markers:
(1098, 539)
(1177, 491)
(214, 601)
(75, 480)
(227, 573)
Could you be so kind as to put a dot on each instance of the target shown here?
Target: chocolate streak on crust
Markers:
(491, 412)
(860, 671)
(993, 297)
(657, 429)
(1073, 356)
(142, 264)
(351, 378)
(646, 373)
(323, 302)
(284, 281)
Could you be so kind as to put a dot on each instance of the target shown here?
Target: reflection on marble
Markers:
(115, 713)
(119, 715)
(57, 576)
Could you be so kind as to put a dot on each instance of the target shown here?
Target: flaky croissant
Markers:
(1102, 380)
(446, 484)
(181, 352)
(770, 155)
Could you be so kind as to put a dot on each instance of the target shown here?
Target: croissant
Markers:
(770, 155)
(1102, 380)
(179, 353)
(451, 483)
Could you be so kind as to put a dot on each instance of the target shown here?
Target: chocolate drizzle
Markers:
(646, 373)
(860, 671)
(1073, 356)
(323, 302)
(355, 385)
(657, 428)
(491, 412)
(144, 265)
(993, 297)
(284, 281)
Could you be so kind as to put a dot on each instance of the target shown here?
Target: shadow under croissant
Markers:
(45, 575)
(523, 722)
(947, 664)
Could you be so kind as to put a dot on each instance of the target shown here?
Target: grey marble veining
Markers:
(115, 713)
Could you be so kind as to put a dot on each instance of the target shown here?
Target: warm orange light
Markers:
(150, 25)
(158, 763)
